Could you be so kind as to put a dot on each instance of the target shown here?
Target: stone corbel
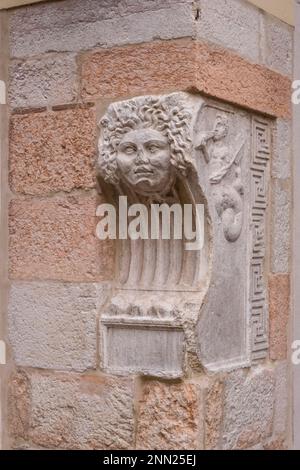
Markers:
(146, 154)
(175, 310)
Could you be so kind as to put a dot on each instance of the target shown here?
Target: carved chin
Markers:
(145, 184)
(148, 185)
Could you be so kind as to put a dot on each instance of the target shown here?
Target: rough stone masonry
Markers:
(198, 360)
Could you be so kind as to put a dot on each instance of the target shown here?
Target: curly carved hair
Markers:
(165, 114)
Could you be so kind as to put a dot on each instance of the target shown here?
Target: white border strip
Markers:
(282, 9)
(296, 236)
(2, 92)
(4, 4)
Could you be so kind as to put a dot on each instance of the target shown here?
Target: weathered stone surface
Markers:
(222, 323)
(279, 308)
(282, 158)
(18, 409)
(54, 325)
(281, 234)
(145, 68)
(74, 11)
(55, 239)
(214, 402)
(77, 26)
(184, 64)
(46, 81)
(276, 444)
(220, 334)
(249, 408)
(278, 50)
(144, 350)
(170, 417)
(282, 394)
(52, 152)
(233, 24)
(78, 412)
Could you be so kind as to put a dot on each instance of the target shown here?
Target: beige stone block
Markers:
(234, 25)
(278, 45)
(282, 395)
(47, 81)
(249, 408)
(282, 154)
(74, 25)
(73, 412)
(53, 325)
(281, 226)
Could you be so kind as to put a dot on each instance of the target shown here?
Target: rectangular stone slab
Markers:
(148, 350)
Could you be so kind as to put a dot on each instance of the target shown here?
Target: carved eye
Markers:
(129, 149)
(153, 148)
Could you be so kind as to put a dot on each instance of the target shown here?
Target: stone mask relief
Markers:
(145, 142)
(144, 162)
(173, 309)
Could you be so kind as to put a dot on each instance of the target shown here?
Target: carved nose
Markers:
(141, 156)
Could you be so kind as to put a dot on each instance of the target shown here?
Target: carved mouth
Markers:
(143, 171)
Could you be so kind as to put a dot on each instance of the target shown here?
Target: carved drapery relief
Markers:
(174, 309)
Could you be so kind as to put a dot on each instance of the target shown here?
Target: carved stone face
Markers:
(220, 131)
(144, 161)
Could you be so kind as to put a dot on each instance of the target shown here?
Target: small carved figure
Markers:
(225, 171)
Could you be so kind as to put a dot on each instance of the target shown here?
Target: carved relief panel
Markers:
(175, 308)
